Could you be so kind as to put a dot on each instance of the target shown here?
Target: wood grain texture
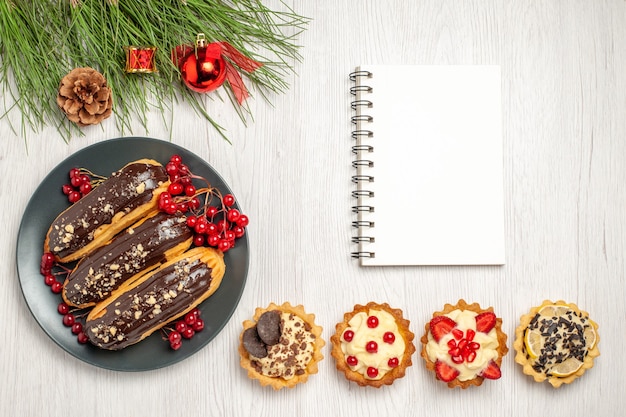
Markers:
(564, 106)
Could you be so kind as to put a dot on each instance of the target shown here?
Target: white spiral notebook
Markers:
(428, 165)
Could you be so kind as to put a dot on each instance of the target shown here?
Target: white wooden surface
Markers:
(564, 106)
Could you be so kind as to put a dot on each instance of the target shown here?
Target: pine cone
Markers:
(85, 97)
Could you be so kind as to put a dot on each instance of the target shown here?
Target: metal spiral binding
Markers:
(359, 106)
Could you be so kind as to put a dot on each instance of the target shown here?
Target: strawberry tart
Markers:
(464, 344)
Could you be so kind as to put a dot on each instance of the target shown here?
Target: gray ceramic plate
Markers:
(48, 201)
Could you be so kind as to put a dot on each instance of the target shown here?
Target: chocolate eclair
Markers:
(143, 246)
(119, 201)
(148, 302)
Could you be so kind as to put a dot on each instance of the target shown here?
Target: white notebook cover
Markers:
(437, 165)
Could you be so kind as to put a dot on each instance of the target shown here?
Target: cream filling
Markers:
(291, 355)
(363, 334)
(488, 350)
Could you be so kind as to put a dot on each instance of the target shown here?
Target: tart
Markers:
(280, 346)
(556, 341)
(464, 344)
(373, 345)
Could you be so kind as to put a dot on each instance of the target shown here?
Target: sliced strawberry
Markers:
(441, 326)
(485, 321)
(445, 372)
(492, 371)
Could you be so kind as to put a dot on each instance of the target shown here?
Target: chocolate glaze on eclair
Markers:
(142, 246)
(109, 208)
(143, 305)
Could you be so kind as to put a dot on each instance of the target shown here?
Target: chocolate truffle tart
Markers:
(464, 344)
(373, 345)
(281, 346)
(557, 342)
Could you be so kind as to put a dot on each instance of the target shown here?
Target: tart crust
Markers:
(522, 358)
(501, 336)
(403, 330)
(278, 383)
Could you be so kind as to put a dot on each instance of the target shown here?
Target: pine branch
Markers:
(40, 42)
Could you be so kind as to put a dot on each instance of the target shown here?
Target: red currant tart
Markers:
(373, 345)
(464, 345)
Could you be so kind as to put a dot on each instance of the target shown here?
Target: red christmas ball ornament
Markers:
(203, 69)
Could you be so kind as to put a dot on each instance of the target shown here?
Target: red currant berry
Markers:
(198, 239)
(47, 260)
(372, 372)
(198, 325)
(174, 337)
(194, 203)
(223, 245)
(176, 159)
(371, 347)
(171, 208)
(211, 211)
(348, 335)
(389, 337)
(77, 328)
(181, 326)
(73, 196)
(190, 318)
(228, 200)
(239, 231)
(233, 215)
(69, 319)
(76, 181)
(63, 308)
(183, 169)
(49, 279)
(175, 188)
(352, 361)
(393, 362)
(82, 338)
(191, 221)
(242, 220)
(57, 287)
(372, 322)
(188, 333)
(213, 240)
(183, 207)
(171, 168)
(200, 227)
(229, 235)
(211, 229)
(85, 188)
(190, 190)
(223, 225)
